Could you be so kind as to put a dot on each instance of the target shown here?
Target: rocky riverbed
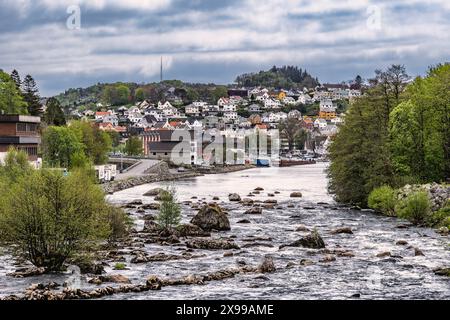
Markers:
(274, 246)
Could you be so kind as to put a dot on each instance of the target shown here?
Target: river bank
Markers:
(161, 173)
(365, 255)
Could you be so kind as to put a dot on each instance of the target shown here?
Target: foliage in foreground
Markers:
(51, 217)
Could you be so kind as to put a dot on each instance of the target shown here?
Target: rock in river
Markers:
(211, 217)
(345, 230)
(313, 241)
(213, 244)
(234, 197)
(254, 210)
(153, 193)
(267, 265)
(191, 230)
(296, 195)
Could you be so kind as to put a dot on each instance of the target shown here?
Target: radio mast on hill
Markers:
(161, 72)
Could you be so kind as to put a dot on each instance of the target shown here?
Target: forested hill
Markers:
(120, 93)
(286, 77)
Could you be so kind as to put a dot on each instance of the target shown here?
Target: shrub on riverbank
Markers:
(383, 199)
(416, 208)
(50, 216)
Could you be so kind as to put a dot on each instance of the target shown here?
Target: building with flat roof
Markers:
(20, 132)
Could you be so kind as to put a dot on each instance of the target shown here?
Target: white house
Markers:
(162, 106)
(321, 124)
(229, 108)
(223, 101)
(295, 114)
(100, 115)
(158, 114)
(113, 119)
(289, 101)
(230, 115)
(192, 109)
(327, 105)
(171, 112)
(135, 117)
(272, 104)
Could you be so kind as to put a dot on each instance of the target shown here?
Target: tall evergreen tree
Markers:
(11, 101)
(16, 78)
(54, 115)
(31, 96)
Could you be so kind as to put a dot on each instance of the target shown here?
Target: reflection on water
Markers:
(309, 179)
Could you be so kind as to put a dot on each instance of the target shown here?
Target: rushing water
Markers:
(401, 276)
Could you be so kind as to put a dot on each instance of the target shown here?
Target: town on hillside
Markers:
(242, 110)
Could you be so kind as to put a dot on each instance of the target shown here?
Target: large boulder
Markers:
(312, 240)
(211, 217)
(234, 197)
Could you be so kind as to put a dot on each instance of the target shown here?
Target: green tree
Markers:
(54, 115)
(219, 92)
(139, 95)
(383, 199)
(31, 96)
(16, 78)
(420, 129)
(11, 101)
(192, 95)
(133, 146)
(96, 143)
(290, 130)
(123, 95)
(59, 144)
(16, 165)
(50, 217)
(170, 211)
(360, 154)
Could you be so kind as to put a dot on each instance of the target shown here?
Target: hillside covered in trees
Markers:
(117, 94)
(286, 77)
(120, 93)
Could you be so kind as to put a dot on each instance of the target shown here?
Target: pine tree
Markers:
(31, 96)
(16, 78)
(54, 115)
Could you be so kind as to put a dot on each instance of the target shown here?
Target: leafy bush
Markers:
(50, 217)
(416, 208)
(120, 266)
(119, 223)
(383, 199)
(170, 211)
(441, 218)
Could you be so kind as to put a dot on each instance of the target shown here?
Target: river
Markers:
(402, 275)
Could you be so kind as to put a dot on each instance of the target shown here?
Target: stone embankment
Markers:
(161, 172)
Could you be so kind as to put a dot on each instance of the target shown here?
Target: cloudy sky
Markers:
(215, 40)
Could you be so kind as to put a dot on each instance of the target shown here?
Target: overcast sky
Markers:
(214, 41)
